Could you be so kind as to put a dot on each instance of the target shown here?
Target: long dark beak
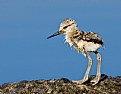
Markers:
(55, 34)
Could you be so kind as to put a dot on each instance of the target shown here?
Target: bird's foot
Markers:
(79, 82)
(95, 80)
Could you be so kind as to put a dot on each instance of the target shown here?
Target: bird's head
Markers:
(66, 26)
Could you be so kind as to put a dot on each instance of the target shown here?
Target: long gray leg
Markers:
(97, 78)
(88, 68)
(87, 71)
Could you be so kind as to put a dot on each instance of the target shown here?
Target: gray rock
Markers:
(107, 85)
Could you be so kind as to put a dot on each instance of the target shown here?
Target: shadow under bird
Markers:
(84, 42)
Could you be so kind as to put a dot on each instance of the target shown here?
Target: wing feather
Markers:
(88, 36)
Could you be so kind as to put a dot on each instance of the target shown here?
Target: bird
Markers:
(85, 43)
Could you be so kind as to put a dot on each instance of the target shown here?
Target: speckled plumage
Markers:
(80, 40)
(84, 42)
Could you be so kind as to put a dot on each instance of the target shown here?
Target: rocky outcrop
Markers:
(107, 85)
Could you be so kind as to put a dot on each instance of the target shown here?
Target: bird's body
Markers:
(81, 41)
(84, 42)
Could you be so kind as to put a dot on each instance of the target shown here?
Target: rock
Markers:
(107, 85)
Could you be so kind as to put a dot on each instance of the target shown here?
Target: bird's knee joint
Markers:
(90, 61)
(98, 56)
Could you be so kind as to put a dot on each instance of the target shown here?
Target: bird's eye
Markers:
(65, 27)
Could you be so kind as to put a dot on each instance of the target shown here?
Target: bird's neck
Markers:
(69, 36)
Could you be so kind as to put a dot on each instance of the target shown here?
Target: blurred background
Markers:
(26, 54)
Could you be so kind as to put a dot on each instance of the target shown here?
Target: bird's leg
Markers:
(97, 78)
(87, 71)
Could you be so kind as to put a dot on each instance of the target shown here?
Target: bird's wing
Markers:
(89, 36)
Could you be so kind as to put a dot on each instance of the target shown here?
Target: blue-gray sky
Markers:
(26, 54)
